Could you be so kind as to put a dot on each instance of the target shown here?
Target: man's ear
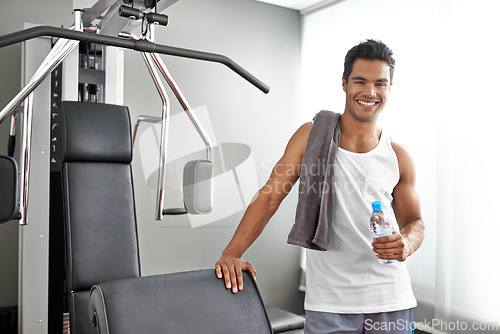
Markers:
(344, 85)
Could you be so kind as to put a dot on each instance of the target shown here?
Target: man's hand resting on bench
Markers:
(230, 267)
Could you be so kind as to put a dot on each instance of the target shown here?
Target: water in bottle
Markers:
(380, 225)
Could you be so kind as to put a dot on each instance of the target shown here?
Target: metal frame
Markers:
(33, 238)
(58, 53)
(69, 40)
(151, 59)
(154, 62)
(165, 121)
(184, 103)
(139, 120)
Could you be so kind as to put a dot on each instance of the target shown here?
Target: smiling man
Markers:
(348, 290)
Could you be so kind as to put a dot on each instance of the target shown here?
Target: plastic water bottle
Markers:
(380, 225)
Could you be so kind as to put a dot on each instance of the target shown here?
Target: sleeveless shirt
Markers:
(347, 277)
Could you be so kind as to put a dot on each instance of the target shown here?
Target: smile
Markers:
(368, 104)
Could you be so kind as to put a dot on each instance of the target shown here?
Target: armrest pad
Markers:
(9, 189)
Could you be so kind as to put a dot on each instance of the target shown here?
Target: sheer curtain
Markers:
(445, 108)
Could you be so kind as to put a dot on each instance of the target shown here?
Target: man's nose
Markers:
(370, 90)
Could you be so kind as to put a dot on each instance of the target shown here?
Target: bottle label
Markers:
(382, 234)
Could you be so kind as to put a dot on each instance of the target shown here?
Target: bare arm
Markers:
(407, 209)
(265, 203)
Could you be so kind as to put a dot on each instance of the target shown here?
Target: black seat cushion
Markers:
(187, 302)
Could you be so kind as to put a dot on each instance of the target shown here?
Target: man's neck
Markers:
(357, 136)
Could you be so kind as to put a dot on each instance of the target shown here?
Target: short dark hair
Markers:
(368, 49)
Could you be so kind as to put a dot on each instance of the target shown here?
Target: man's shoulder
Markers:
(405, 160)
(400, 149)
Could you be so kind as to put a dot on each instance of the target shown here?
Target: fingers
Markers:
(229, 276)
(218, 270)
(231, 271)
(237, 284)
(250, 268)
(390, 247)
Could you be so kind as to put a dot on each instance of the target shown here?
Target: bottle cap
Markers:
(377, 205)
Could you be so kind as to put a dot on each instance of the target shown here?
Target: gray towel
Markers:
(316, 197)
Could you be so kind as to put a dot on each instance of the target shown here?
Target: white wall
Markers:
(442, 108)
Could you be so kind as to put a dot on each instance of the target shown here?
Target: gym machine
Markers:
(110, 31)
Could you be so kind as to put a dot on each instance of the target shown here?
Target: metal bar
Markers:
(63, 48)
(138, 45)
(52, 60)
(49, 64)
(57, 54)
(184, 103)
(165, 119)
(13, 123)
(11, 146)
(139, 120)
(26, 158)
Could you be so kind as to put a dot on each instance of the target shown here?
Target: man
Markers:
(348, 290)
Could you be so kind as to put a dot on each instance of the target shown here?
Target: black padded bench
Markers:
(104, 285)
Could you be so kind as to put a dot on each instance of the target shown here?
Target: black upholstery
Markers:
(9, 195)
(102, 238)
(187, 302)
(100, 224)
(102, 246)
(95, 132)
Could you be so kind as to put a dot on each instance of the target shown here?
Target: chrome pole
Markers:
(184, 103)
(13, 123)
(26, 158)
(49, 64)
(58, 53)
(53, 59)
(139, 120)
(165, 121)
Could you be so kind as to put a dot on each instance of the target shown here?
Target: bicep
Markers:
(406, 201)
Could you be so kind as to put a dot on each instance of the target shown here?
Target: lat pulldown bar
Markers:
(137, 45)
(68, 40)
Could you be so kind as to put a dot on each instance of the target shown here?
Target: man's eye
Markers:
(381, 85)
(358, 82)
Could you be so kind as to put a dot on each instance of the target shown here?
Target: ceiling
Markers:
(304, 6)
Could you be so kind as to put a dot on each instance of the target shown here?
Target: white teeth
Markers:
(366, 103)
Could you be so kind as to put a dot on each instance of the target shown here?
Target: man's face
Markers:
(367, 89)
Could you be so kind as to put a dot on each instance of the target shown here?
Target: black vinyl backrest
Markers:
(101, 233)
(101, 237)
(98, 199)
(95, 132)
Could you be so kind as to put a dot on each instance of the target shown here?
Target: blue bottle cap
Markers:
(377, 205)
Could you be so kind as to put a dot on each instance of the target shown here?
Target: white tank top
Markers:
(347, 278)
